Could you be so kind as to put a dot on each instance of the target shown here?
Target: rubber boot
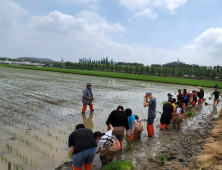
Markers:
(88, 167)
(214, 102)
(194, 103)
(121, 145)
(161, 126)
(203, 100)
(166, 126)
(103, 159)
(75, 168)
(91, 107)
(152, 129)
(84, 108)
(185, 106)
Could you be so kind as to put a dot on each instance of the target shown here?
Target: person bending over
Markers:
(138, 128)
(179, 116)
(118, 119)
(131, 121)
(166, 115)
(83, 148)
(108, 145)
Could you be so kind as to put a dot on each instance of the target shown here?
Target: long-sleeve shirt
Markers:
(118, 118)
(87, 93)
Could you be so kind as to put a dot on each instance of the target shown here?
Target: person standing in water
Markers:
(87, 97)
(151, 112)
(216, 96)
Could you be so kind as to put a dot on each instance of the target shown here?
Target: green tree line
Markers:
(171, 70)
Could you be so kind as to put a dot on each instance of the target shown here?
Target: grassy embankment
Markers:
(185, 81)
(211, 156)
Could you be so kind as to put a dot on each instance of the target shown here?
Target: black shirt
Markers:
(82, 139)
(216, 94)
(199, 94)
(118, 118)
(167, 110)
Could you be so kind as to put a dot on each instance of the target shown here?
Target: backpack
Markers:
(182, 110)
(109, 141)
(186, 97)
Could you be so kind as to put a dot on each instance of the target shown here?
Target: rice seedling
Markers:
(189, 109)
(206, 104)
(120, 165)
(197, 108)
(164, 102)
(190, 114)
(161, 160)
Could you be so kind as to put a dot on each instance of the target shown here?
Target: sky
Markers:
(143, 31)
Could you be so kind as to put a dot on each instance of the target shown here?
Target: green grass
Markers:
(120, 165)
(204, 83)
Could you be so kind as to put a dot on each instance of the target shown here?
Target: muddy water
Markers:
(38, 111)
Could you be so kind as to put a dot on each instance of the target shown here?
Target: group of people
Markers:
(174, 109)
(84, 144)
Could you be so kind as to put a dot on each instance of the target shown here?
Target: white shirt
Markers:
(101, 142)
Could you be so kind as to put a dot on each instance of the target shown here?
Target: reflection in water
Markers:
(88, 122)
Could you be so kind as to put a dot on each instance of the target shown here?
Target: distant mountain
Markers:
(35, 59)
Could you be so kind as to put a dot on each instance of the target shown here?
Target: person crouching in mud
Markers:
(151, 112)
(108, 145)
(138, 128)
(87, 97)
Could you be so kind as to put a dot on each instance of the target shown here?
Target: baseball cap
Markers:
(149, 93)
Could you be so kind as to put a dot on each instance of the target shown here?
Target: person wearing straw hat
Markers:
(151, 112)
(87, 97)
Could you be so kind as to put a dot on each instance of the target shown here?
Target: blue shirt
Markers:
(131, 119)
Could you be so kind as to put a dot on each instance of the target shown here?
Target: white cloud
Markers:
(86, 1)
(145, 7)
(146, 12)
(9, 13)
(88, 34)
(88, 23)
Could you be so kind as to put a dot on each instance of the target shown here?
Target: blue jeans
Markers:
(150, 120)
(85, 156)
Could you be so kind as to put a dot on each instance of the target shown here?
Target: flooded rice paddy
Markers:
(39, 109)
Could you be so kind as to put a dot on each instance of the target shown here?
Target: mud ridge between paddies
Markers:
(211, 156)
(173, 80)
